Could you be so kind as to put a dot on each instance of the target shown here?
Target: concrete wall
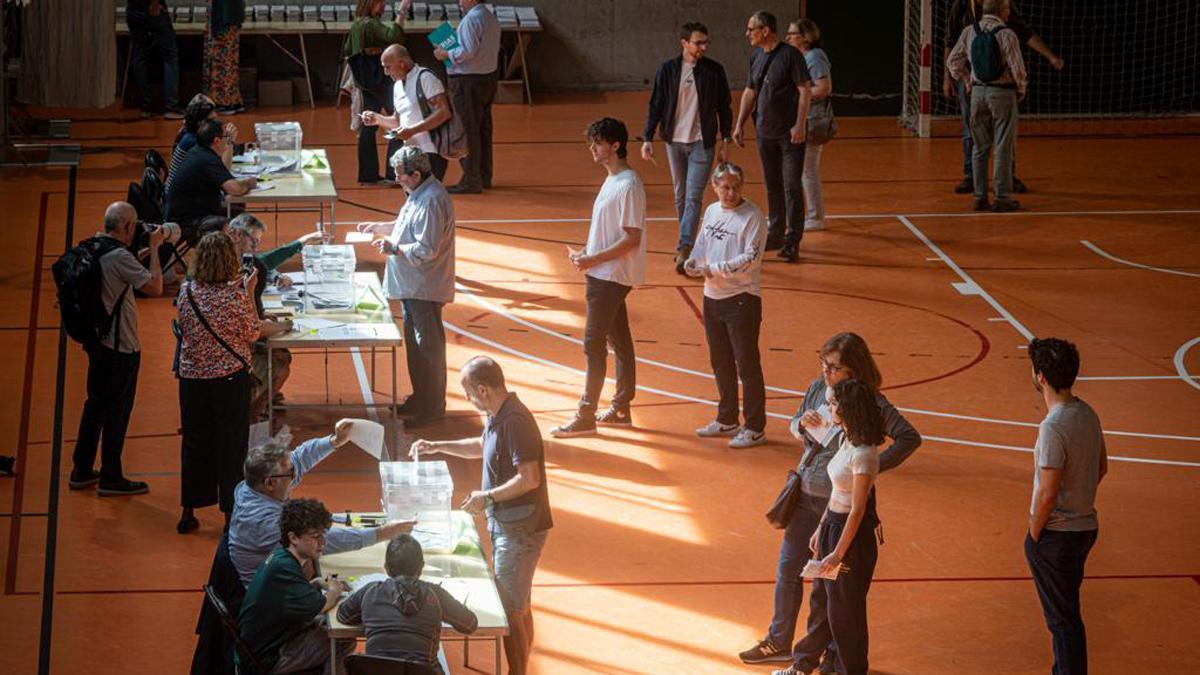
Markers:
(618, 44)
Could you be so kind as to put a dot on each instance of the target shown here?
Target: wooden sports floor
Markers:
(660, 559)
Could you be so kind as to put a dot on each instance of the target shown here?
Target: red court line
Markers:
(14, 533)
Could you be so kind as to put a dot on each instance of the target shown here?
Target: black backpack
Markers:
(79, 280)
(987, 59)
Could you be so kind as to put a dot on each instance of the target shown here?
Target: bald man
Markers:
(114, 359)
(411, 120)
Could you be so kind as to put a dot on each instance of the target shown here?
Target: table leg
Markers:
(522, 38)
(499, 666)
(466, 651)
(395, 406)
(333, 655)
(270, 393)
(128, 59)
(312, 103)
(332, 219)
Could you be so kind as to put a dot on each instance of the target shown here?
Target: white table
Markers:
(465, 575)
(308, 186)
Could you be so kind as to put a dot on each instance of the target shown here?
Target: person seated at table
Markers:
(283, 620)
(198, 186)
(200, 108)
(258, 501)
(402, 615)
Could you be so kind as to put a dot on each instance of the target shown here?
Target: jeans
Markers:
(215, 416)
(731, 326)
(814, 201)
(515, 557)
(690, 165)
(425, 340)
(994, 129)
(607, 324)
(793, 554)
(845, 616)
(111, 388)
(783, 166)
(368, 152)
(1056, 560)
(148, 32)
(472, 96)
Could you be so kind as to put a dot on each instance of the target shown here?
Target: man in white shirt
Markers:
(614, 261)
(472, 70)
(728, 254)
(412, 124)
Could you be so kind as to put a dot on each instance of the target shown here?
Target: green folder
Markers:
(445, 37)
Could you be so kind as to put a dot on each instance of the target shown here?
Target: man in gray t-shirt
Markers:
(114, 359)
(1070, 460)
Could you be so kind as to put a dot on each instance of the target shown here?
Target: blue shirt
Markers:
(478, 50)
(254, 525)
(422, 268)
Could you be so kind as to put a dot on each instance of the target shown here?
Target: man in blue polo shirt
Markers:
(513, 494)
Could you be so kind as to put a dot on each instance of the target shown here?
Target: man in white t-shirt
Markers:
(614, 261)
(728, 254)
(412, 124)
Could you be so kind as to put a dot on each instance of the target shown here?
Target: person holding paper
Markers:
(513, 494)
(416, 88)
(272, 472)
(473, 62)
(419, 279)
(844, 541)
(728, 255)
(842, 357)
(369, 35)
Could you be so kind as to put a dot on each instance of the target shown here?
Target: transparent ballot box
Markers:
(279, 146)
(329, 277)
(421, 490)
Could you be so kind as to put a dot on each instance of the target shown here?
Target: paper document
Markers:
(359, 237)
(263, 186)
(823, 433)
(444, 36)
(367, 435)
(314, 324)
(358, 582)
(275, 303)
(349, 331)
(812, 570)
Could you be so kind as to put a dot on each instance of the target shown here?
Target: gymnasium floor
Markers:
(660, 560)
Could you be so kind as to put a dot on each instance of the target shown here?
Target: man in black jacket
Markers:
(690, 106)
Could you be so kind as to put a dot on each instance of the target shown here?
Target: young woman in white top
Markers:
(845, 540)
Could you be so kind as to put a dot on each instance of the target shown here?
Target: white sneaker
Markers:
(746, 438)
(715, 428)
(810, 225)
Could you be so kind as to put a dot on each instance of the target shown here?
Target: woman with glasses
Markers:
(806, 36)
(844, 356)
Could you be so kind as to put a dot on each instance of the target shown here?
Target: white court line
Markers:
(495, 309)
(683, 397)
(1101, 252)
(1183, 373)
(975, 289)
(364, 384)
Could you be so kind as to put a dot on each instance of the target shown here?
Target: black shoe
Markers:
(774, 243)
(580, 425)
(615, 417)
(173, 114)
(1005, 204)
(123, 488)
(765, 652)
(80, 480)
(789, 253)
(147, 114)
(461, 189)
(8, 466)
(681, 257)
(981, 204)
(408, 408)
(1019, 186)
(188, 524)
(966, 186)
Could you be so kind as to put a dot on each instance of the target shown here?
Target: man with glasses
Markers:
(259, 500)
(198, 185)
(777, 94)
(690, 105)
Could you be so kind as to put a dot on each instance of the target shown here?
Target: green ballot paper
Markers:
(444, 36)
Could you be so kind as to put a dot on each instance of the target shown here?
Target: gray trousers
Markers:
(310, 650)
(994, 129)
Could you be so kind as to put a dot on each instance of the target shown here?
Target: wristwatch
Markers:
(487, 499)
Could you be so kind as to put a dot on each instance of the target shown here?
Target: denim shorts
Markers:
(514, 558)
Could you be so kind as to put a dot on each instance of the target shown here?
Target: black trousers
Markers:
(731, 326)
(111, 388)
(425, 348)
(215, 415)
(472, 97)
(844, 600)
(368, 152)
(1056, 560)
(607, 324)
(783, 166)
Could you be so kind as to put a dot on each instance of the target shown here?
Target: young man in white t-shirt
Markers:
(411, 125)
(614, 261)
(728, 255)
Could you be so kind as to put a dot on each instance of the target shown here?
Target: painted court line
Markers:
(1105, 254)
(1183, 372)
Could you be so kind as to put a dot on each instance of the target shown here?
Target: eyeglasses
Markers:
(794, 32)
(830, 367)
(751, 29)
(291, 475)
(700, 43)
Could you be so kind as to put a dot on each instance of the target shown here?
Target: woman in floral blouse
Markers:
(214, 378)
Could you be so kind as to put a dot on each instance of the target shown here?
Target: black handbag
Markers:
(780, 513)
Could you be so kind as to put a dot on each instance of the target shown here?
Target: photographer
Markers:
(197, 186)
(218, 323)
(113, 362)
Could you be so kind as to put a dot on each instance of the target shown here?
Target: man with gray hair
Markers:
(419, 279)
(271, 472)
(987, 58)
(115, 356)
(513, 494)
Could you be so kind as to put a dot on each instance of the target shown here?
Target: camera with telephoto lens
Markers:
(171, 231)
